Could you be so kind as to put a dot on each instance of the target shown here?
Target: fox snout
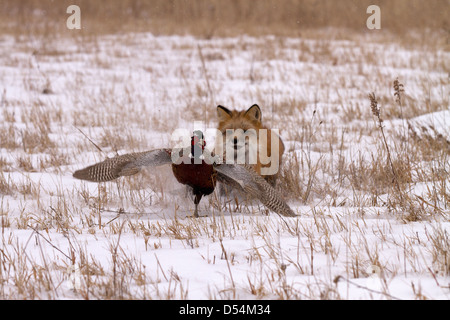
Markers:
(238, 143)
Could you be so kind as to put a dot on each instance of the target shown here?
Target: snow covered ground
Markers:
(63, 238)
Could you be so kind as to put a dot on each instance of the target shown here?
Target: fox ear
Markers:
(223, 113)
(254, 112)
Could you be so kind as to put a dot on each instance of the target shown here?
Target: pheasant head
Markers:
(197, 144)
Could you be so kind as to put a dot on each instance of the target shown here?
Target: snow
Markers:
(68, 239)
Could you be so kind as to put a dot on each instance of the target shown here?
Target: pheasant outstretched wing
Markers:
(124, 165)
(249, 181)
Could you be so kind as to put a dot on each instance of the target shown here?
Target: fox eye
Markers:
(250, 132)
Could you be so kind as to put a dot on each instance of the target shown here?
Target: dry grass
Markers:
(220, 18)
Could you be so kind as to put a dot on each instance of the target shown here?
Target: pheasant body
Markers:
(192, 171)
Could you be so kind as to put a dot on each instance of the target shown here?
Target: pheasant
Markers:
(193, 167)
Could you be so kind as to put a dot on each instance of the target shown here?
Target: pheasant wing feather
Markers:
(124, 165)
(252, 183)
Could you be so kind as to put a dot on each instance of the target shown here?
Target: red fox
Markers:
(245, 140)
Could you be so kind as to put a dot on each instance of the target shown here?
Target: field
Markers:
(364, 116)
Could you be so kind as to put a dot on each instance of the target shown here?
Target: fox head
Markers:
(239, 132)
(245, 140)
(239, 119)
